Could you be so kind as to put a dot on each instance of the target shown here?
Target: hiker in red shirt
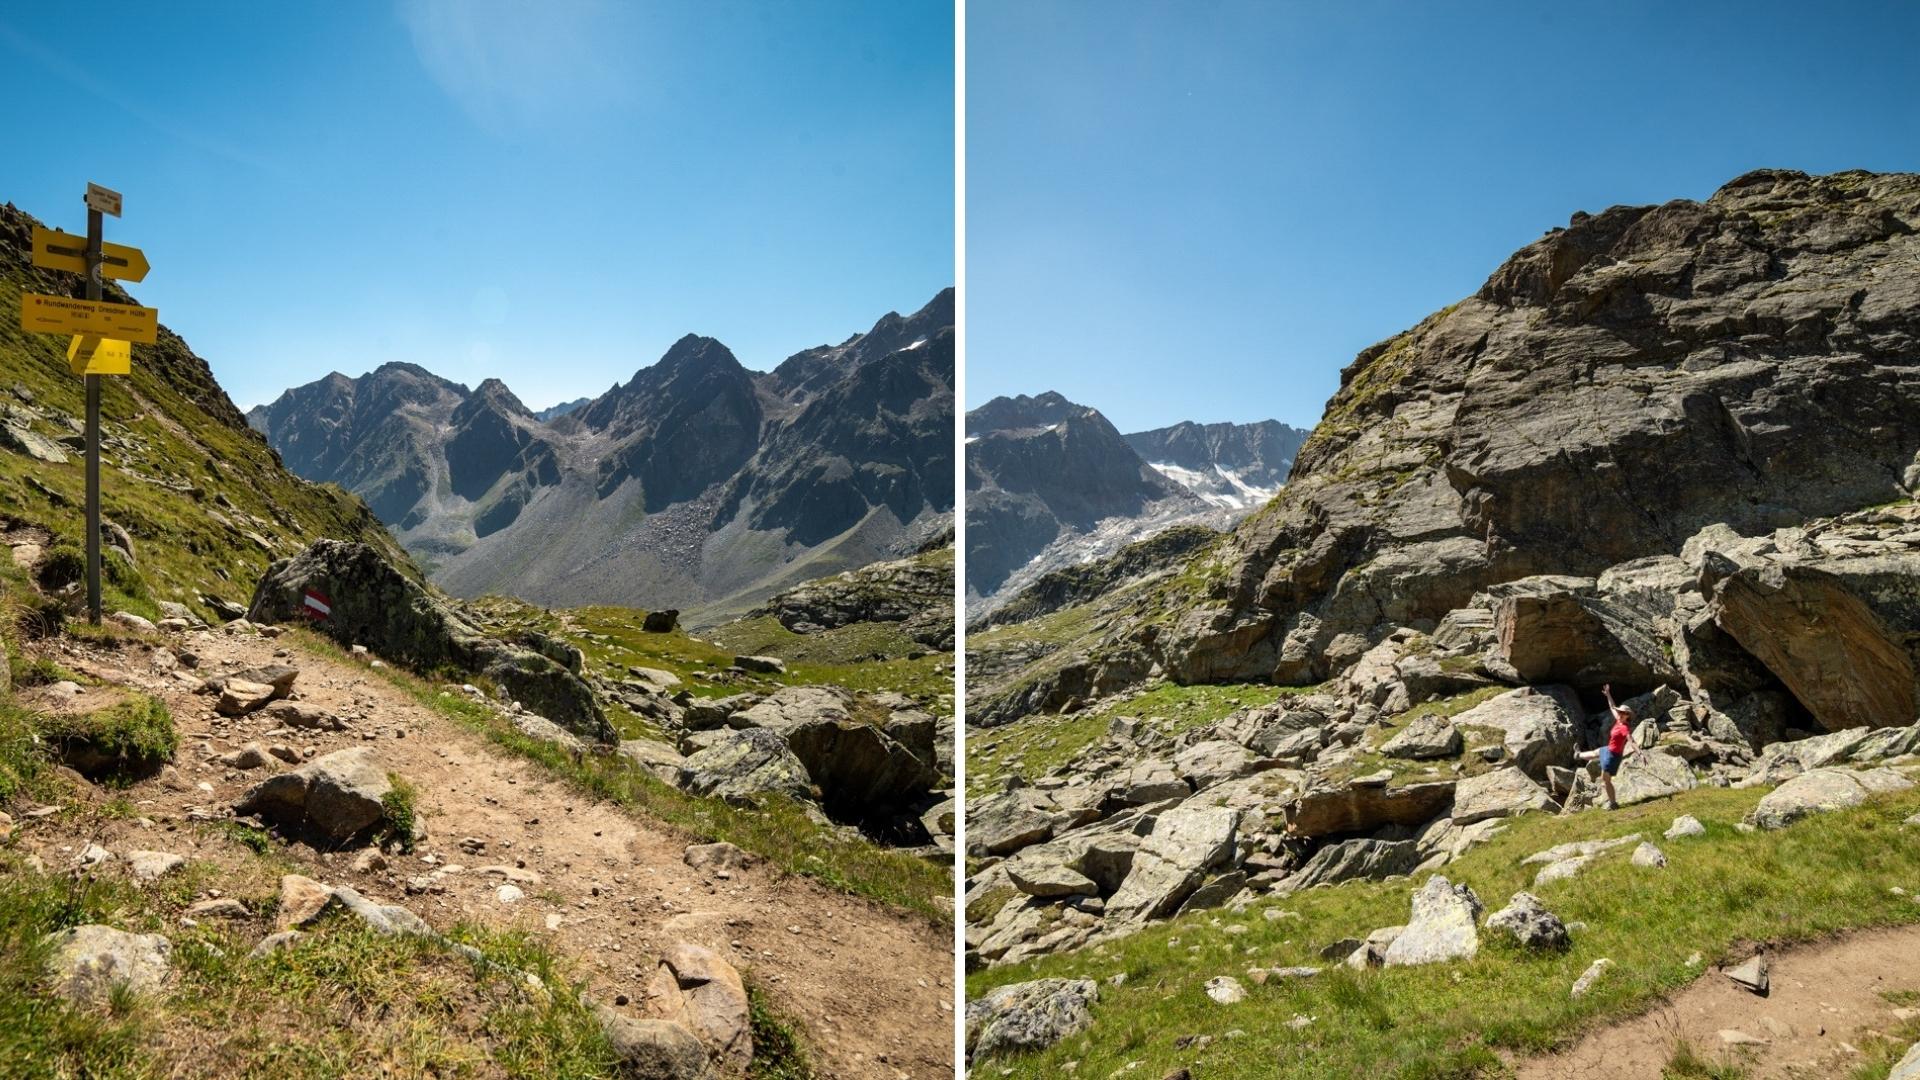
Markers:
(1619, 744)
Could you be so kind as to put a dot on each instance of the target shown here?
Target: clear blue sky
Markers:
(1202, 211)
(549, 192)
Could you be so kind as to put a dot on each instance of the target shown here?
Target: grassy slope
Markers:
(190, 466)
(1821, 876)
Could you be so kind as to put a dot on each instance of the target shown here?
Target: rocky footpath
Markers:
(884, 771)
(380, 813)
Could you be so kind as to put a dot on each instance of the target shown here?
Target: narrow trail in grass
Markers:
(870, 985)
(1824, 1001)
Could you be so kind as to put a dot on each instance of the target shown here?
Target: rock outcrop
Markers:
(1617, 465)
(1612, 390)
(370, 602)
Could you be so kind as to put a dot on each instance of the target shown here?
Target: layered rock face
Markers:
(1750, 361)
(697, 484)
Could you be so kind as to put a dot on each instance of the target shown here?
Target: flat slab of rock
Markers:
(240, 697)
(1823, 791)
(85, 963)
(1051, 881)
(1500, 793)
(1029, 1015)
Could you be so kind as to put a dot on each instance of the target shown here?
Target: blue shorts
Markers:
(1609, 762)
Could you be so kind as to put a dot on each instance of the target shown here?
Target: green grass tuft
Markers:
(401, 806)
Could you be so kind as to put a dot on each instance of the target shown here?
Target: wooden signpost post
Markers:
(103, 334)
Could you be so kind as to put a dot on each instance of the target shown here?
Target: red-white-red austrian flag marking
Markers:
(318, 606)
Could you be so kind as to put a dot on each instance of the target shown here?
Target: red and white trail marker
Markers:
(318, 606)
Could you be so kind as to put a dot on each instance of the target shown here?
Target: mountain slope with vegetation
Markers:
(1666, 459)
(196, 497)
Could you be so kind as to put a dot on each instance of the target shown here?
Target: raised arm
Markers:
(1607, 689)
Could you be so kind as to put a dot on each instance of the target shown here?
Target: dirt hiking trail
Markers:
(1824, 999)
(872, 987)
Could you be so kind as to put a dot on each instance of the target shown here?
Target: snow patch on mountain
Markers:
(1223, 487)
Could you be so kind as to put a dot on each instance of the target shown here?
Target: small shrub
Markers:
(400, 804)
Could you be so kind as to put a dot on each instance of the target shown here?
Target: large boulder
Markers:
(1538, 725)
(742, 765)
(1442, 926)
(1835, 616)
(1172, 860)
(372, 603)
(1029, 1015)
(1652, 774)
(1334, 808)
(86, 963)
(334, 799)
(856, 764)
(1500, 793)
(1823, 791)
(1562, 630)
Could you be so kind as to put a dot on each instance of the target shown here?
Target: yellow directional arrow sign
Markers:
(89, 354)
(56, 250)
(59, 315)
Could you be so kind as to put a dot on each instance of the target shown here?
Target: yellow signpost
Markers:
(89, 354)
(102, 334)
(60, 315)
(56, 250)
